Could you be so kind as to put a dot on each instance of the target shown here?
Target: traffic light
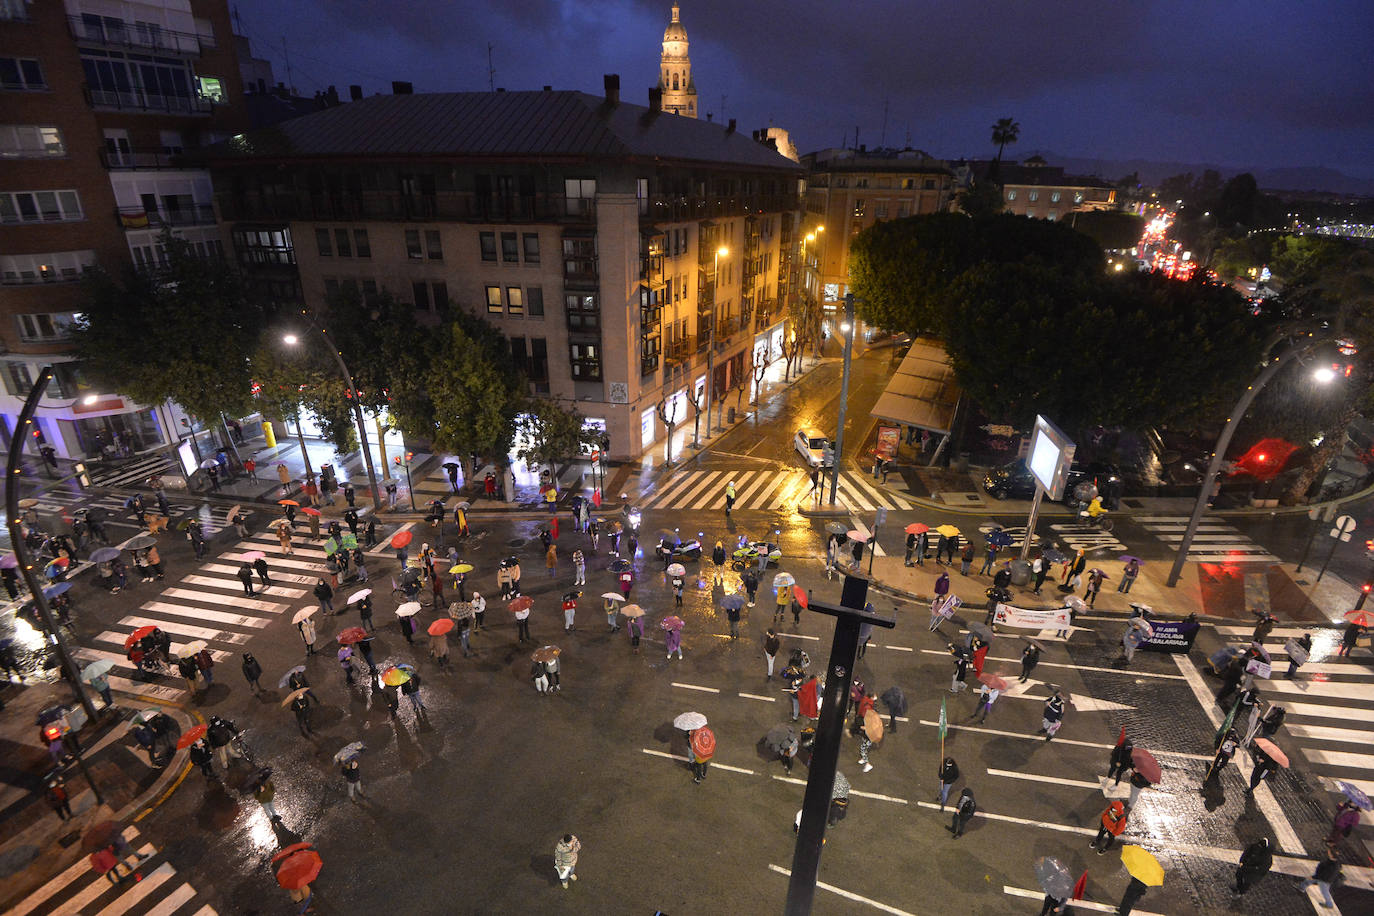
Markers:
(1364, 594)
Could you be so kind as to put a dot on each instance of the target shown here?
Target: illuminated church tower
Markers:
(675, 71)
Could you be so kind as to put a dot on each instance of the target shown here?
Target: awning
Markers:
(922, 392)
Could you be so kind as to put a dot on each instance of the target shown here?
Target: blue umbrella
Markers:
(61, 588)
(732, 602)
(999, 538)
(1054, 556)
(1354, 793)
(285, 678)
(104, 554)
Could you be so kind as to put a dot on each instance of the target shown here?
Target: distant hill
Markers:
(1297, 178)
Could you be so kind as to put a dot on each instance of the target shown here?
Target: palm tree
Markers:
(1003, 132)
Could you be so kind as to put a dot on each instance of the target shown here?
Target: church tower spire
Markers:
(675, 71)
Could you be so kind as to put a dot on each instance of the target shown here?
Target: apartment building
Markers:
(1037, 189)
(100, 99)
(848, 190)
(587, 229)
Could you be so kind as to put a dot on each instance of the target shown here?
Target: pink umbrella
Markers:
(252, 555)
(992, 680)
(1146, 765)
(1272, 751)
(672, 622)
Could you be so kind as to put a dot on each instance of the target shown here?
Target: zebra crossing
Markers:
(1329, 704)
(208, 604)
(77, 891)
(131, 473)
(1215, 541)
(767, 490)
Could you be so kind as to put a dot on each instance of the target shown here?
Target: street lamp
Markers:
(1299, 349)
(846, 328)
(721, 252)
(292, 340)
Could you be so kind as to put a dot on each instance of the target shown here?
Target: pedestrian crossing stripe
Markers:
(1214, 541)
(79, 889)
(136, 471)
(763, 489)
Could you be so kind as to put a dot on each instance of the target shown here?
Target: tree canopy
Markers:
(182, 332)
(473, 400)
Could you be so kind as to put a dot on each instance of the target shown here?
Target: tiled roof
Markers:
(547, 125)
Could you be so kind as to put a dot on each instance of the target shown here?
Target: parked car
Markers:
(1015, 481)
(812, 445)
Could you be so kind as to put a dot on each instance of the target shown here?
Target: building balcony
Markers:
(680, 351)
(140, 159)
(726, 328)
(686, 209)
(136, 100)
(455, 206)
(139, 218)
(116, 33)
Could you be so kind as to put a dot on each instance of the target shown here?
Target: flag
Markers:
(1226, 726)
(1081, 887)
(944, 720)
(1121, 738)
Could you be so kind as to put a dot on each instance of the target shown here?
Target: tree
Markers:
(1111, 229)
(1004, 132)
(903, 269)
(667, 414)
(1028, 338)
(759, 369)
(475, 402)
(982, 198)
(183, 332)
(697, 398)
(550, 433)
(287, 380)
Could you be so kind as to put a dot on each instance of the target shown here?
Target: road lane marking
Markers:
(695, 687)
(755, 696)
(1072, 741)
(1035, 777)
(1073, 904)
(1043, 664)
(799, 636)
(852, 791)
(848, 895)
(721, 766)
(900, 648)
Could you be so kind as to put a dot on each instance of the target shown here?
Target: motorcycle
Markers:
(691, 550)
(747, 556)
(1101, 521)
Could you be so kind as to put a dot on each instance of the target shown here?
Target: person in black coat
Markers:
(1134, 891)
(245, 575)
(1121, 760)
(260, 565)
(1255, 863)
(1264, 768)
(252, 671)
(949, 775)
(963, 813)
(1030, 657)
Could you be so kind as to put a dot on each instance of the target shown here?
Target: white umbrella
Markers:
(349, 750)
(689, 721)
(279, 523)
(1076, 603)
(409, 609)
(192, 647)
(782, 579)
(96, 669)
(359, 595)
(233, 512)
(304, 613)
(613, 596)
(677, 569)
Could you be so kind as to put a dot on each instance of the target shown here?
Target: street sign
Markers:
(879, 517)
(1343, 526)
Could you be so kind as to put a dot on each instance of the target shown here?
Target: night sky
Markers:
(1252, 84)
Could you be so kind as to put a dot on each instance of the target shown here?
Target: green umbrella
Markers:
(331, 547)
(350, 542)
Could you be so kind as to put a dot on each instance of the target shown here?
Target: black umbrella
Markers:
(894, 699)
(1052, 555)
(571, 596)
(412, 574)
(97, 515)
(779, 738)
(619, 565)
(508, 562)
(452, 464)
(999, 538)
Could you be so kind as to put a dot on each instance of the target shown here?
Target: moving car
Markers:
(811, 444)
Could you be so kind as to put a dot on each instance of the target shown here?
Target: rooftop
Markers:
(874, 160)
(499, 125)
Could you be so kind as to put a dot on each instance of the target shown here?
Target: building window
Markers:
(494, 300)
(858, 206)
(488, 241)
(534, 301)
(841, 181)
(267, 246)
(1011, 194)
(510, 248)
(1078, 197)
(519, 354)
(538, 368)
(40, 207)
(515, 301)
(21, 73)
(343, 243)
(1052, 216)
(30, 141)
(56, 267)
(1033, 196)
(880, 210)
(579, 258)
(369, 291)
(46, 326)
(583, 313)
(861, 182)
(1054, 197)
(421, 291)
(413, 249)
(323, 244)
(903, 209)
(361, 244)
(531, 241)
(929, 184)
(586, 362)
(434, 246)
(18, 380)
(331, 288)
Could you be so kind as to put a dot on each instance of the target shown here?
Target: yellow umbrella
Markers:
(460, 568)
(1142, 866)
(948, 531)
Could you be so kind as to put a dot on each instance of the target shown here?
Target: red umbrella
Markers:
(287, 502)
(309, 511)
(992, 680)
(352, 635)
(401, 539)
(523, 603)
(1361, 617)
(440, 626)
(704, 742)
(61, 563)
(137, 635)
(917, 528)
(1146, 765)
(191, 736)
(799, 595)
(299, 868)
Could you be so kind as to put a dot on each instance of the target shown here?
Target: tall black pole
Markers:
(839, 673)
(355, 397)
(844, 393)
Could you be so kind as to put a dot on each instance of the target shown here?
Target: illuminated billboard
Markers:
(1050, 457)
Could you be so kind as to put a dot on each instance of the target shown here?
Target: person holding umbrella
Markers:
(307, 629)
(1113, 824)
(1265, 765)
(521, 609)
(1255, 863)
(672, 635)
(479, 610)
(702, 741)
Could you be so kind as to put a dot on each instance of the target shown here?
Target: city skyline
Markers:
(1249, 87)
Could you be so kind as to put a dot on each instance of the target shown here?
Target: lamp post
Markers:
(1302, 347)
(847, 329)
(721, 252)
(292, 340)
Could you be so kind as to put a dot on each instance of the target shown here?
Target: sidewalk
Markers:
(35, 845)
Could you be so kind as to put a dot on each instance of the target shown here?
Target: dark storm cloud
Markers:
(1260, 83)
